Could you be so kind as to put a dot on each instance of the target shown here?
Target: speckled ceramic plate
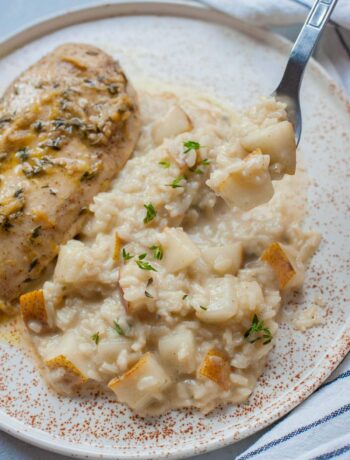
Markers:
(191, 45)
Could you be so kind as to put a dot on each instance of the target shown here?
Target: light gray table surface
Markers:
(15, 14)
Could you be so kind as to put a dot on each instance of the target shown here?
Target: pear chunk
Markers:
(278, 142)
(179, 249)
(216, 368)
(141, 384)
(175, 122)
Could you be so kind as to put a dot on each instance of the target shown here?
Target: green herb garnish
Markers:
(119, 330)
(256, 327)
(205, 162)
(36, 232)
(176, 182)
(33, 264)
(150, 213)
(143, 264)
(147, 294)
(191, 145)
(19, 193)
(96, 337)
(88, 175)
(184, 296)
(126, 256)
(157, 252)
(165, 164)
(55, 144)
(23, 154)
(38, 126)
(203, 308)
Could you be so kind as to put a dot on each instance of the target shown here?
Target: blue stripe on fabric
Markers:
(334, 453)
(344, 375)
(342, 410)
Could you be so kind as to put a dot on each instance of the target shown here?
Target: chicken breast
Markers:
(67, 126)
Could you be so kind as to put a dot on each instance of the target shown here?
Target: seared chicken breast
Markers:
(67, 125)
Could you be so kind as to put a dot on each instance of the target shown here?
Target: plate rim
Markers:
(192, 10)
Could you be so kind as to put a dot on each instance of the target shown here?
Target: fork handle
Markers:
(305, 45)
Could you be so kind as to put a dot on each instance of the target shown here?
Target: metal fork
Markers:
(289, 88)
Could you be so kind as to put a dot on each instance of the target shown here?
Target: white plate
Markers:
(236, 64)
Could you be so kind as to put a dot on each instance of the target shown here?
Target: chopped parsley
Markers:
(36, 232)
(203, 308)
(176, 182)
(88, 175)
(256, 327)
(126, 256)
(19, 193)
(117, 327)
(96, 337)
(33, 264)
(143, 264)
(157, 252)
(38, 126)
(147, 294)
(184, 296)
(150, 213)
(113, 88)
(205, 162)
(23, 154)
(164, 164)
(191, 145)
(55, 144)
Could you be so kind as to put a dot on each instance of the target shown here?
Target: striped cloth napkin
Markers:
(319, 429)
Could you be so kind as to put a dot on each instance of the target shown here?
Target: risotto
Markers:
(170, 295)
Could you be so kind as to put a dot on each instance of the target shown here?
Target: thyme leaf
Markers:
(96, 337)
(150, 213)
(191, 145)
(126, 256)
(117, 327)
(256, 327)
(143, 264)
(164, 164)
(176, 182)
(157, 252)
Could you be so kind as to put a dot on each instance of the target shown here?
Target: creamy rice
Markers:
(191, 321)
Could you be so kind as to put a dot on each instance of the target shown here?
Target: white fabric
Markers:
(272, 13)
(320, 427)
(277, 12)
(317, 429)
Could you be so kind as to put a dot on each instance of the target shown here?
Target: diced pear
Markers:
(73, 375)
(141, 384)
(179, 249)
(178, 350)
(175, 122)
(117, 247)
(216, 367)
(278, 142)
(222, 301)
(249, 186)
(224, 259)
(32, 305)
(276, 255)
